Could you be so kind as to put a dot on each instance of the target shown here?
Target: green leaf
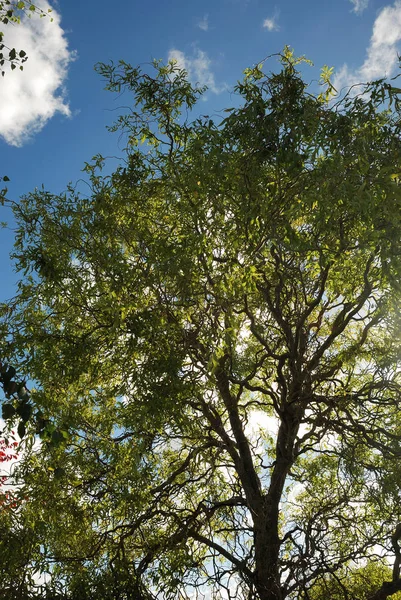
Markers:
(23, 393)
(21, 429)
(24, 410)
(7, 411)
(8, 375)
(10, 387)
(59, 472)
(57, 437)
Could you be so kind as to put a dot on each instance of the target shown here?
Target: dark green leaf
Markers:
(24, 410)
(10, 388)
(58, 473)
(7, 411)
(21, 429)
(57, 437)
(6, 377)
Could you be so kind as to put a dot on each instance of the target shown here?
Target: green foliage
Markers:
(214, 339)
(357, 583)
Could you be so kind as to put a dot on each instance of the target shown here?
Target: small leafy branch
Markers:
(19, 406)
(10, 12)
(18, 395)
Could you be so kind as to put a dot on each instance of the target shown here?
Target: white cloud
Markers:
(29, 98)
(359, 6)
(271, 23)
(381, 55)
(198, 68)
(204, 23)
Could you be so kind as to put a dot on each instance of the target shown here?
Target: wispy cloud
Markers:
(29, 98)
(271, 23)
(204, 23)
(198, 67)
(381, 54)
(359, 6)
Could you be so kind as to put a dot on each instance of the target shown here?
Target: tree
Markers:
(10, 12)
(214, 336)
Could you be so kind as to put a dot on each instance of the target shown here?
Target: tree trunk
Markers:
(267, 548)
(266, 525)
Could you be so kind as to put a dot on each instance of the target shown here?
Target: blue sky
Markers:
(53, 114)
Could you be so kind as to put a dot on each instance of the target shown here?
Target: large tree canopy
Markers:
(214, 336)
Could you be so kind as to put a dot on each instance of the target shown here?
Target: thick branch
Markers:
(245, 467)
(389, 588)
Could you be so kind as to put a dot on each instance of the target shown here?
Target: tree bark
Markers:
(266, 528)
